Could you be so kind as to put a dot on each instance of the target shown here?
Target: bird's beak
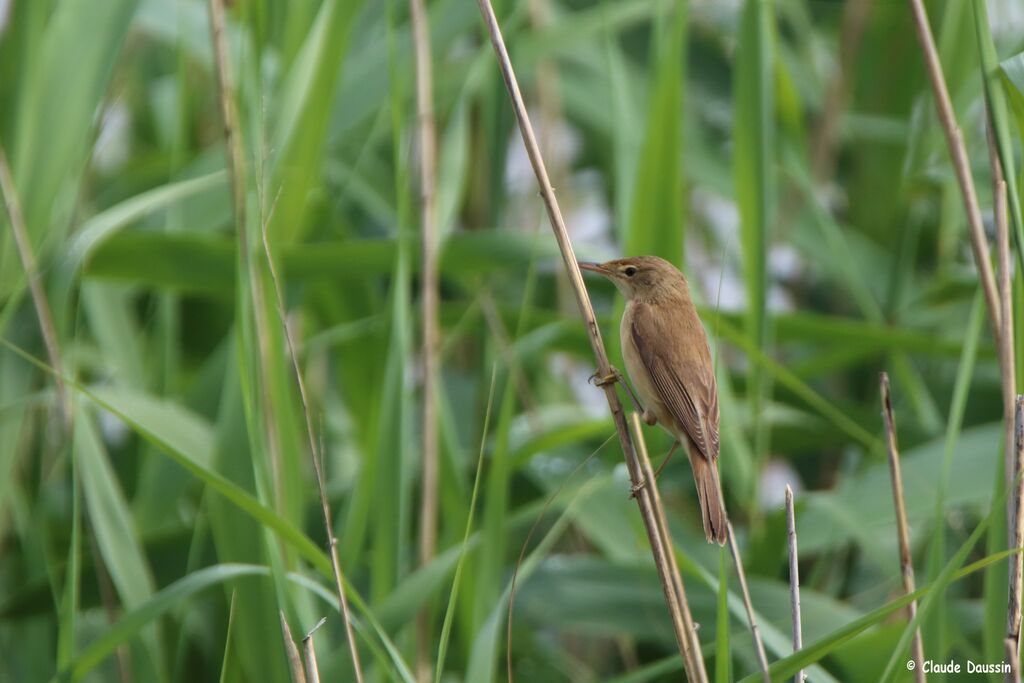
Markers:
(593, 267)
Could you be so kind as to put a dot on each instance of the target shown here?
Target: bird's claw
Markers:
(636, 488)
(602, 381)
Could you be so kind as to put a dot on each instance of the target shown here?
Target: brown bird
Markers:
(668, 360)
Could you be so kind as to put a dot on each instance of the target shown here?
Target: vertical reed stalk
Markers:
(235, 160)
(755, 631)
(294, 660)
(902, 528)
(427, 135)
(794, 579)
(1007, 366)
(645, 500)
(1013, 675)
(697, 672)
(35, 285)
(309, 655)
(1017, 537)
(236, 173)
(961, 164)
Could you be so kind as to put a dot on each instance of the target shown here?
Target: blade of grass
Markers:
(56, 119)
(656, 224)
(449, 614)
(116, 537)
(755, 186)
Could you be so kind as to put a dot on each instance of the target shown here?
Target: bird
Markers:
(668, 361)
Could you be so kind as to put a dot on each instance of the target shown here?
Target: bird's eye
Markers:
(630, 271)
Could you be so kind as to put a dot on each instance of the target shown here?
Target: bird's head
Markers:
(641, 278)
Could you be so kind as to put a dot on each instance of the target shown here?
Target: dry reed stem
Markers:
(316, 454)
(309, 655)
(35, 285)
(1007, 366)
(755, 631)
(294, 660)
(958, 153)
(236, 173)
(108, 596)
(235, 160)
(902, 528)
(794, 579)
(855, 15)
(649, 512)
(427, 135)
(1017, 503)
(1010, 651)
(679, 589)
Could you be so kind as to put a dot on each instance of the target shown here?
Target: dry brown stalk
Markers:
(678, 588)
(1007, 366)
(755, 631)
(902, 528)
(855, 15)
(961, 164)
(645, 500)
(1017, 539)
(1013, 659)
(794, 579)
(294, 661)
(235, 160)
(316, 454)
(427, 135)
(309, 655)
(35, 285)
(236, 173)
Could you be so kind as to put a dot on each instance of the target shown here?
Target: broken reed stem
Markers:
(309, 655)
(961, 164)
(696, 671)
(755, 632)
(236, 174)
(294, 661)
(648, 510)
(794, 579)
(427, 135)
(35, 285)
(1010, 652)
(902, 528)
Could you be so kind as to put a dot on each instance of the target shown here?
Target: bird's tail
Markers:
(705, 475)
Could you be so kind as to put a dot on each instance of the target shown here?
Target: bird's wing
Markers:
(684, 378)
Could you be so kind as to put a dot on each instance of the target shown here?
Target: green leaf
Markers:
(56, 119)
(656, 222)
(754, 178)
(111, 522)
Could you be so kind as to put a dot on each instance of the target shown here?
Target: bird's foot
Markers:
(636, 488)
(602, 381)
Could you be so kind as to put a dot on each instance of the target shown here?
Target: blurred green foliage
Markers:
(785, 153)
